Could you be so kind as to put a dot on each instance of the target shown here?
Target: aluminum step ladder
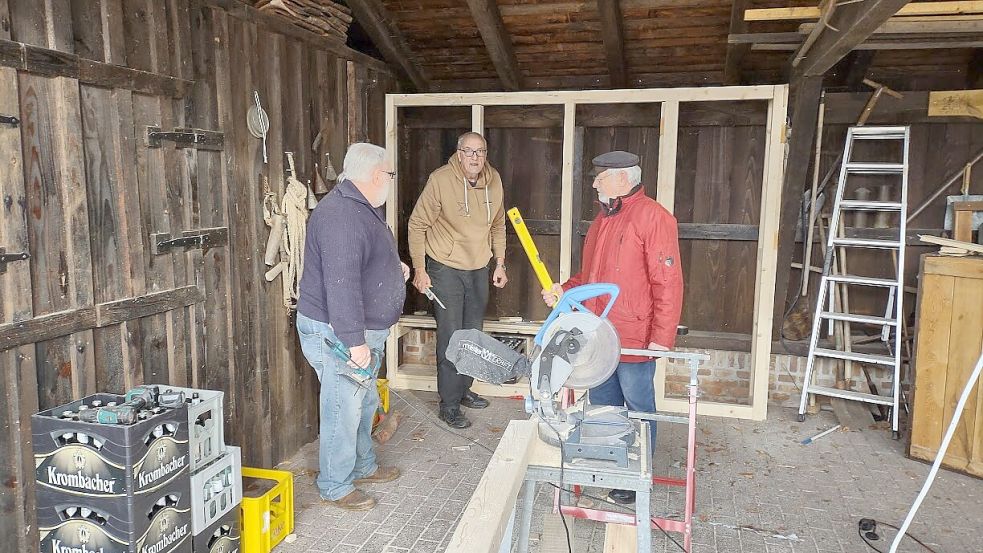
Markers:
(826, 305)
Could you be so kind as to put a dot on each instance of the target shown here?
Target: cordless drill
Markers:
(360, 374)
(142, 397)
(118, 414)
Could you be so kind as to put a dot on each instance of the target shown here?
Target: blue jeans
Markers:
(632, 384)
(347, 410)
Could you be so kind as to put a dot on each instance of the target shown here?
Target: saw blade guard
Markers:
(599, 350)
(573, 300)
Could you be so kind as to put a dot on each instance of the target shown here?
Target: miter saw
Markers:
(574, 349)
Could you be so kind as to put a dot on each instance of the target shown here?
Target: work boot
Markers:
(381, 475)
(357, 500)
(472, 400)
(454, 418)
(622, 497)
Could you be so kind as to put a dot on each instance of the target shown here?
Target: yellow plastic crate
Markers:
(267, 508)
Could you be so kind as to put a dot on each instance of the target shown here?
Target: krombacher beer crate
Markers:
(206, 431)
(222, 536)
(72, 528)
(111, 468)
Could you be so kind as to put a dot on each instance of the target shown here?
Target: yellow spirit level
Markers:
(530, 248)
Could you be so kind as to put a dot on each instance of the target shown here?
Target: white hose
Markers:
(938, 458)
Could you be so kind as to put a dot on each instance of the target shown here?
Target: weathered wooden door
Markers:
(109, 152)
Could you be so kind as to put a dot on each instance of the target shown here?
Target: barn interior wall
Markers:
(93, 309)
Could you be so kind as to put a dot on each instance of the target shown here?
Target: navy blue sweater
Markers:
(352, 276)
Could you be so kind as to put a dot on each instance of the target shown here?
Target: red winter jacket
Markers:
(637, 248)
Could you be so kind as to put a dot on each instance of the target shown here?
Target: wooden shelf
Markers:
(528, 328)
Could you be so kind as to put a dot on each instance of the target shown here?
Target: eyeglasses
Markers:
(468, 152)
(392, 174)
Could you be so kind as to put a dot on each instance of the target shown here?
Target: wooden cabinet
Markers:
(949, 338)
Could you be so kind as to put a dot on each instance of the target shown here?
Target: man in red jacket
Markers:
(633, 243)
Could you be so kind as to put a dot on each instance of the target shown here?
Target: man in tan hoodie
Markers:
(458, 224)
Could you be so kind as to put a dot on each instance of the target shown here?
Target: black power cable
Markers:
(867, 530)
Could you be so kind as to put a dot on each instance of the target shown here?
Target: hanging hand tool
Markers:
(530, 248)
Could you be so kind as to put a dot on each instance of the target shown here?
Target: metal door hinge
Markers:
(9, 120)
(10, 257)
(161, 242)
(186, 138)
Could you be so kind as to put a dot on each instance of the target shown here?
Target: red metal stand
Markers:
(684, 526)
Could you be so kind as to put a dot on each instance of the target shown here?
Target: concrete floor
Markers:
(759, 490)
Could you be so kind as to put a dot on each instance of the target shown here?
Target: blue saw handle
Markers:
(573, 300)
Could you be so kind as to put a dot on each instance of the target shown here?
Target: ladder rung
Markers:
(878, 132)
(855, 356)
(850, 394)
(854, 318)
(869, 168)
(875, 206)
(862, 281)
(867, 243)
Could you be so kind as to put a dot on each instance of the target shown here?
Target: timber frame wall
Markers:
(773, 169)
(93, 309)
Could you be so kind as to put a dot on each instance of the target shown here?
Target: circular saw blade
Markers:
(600, 348)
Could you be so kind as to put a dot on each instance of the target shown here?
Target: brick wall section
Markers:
(724, 378)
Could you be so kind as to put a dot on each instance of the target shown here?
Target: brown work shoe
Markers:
(357, 500)
(381, 475)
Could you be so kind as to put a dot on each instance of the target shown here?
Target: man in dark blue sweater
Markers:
(351, 292)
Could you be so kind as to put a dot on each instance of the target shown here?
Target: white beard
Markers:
(603, 199)
(383, 196)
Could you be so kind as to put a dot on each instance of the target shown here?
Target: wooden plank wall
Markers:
(82, 193)
(525, 146)
(719, 168)
(936, 151)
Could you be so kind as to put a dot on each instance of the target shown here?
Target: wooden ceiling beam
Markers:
(858, 62)
(913, 9)
(613, 33)
(736, 52)
(378, 24)
(853, 24)
(498, 42)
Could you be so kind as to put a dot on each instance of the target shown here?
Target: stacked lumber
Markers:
(322, 17)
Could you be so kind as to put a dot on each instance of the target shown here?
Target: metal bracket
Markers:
(9, 120)
(185, 138)
(161, 242)
(10, 257)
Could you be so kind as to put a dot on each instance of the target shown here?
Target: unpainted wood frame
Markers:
(774, 162)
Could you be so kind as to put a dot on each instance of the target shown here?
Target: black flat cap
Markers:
(614, 160)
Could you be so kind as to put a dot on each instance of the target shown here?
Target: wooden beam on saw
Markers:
(804, 115)
(497, 41)
(374, 18)
(855, 22)
(613, 33)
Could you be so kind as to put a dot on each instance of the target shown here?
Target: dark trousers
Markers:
(465, 295)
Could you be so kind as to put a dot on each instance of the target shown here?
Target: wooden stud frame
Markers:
(669, 98)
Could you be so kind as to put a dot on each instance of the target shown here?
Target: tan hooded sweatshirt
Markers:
(457, 224)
